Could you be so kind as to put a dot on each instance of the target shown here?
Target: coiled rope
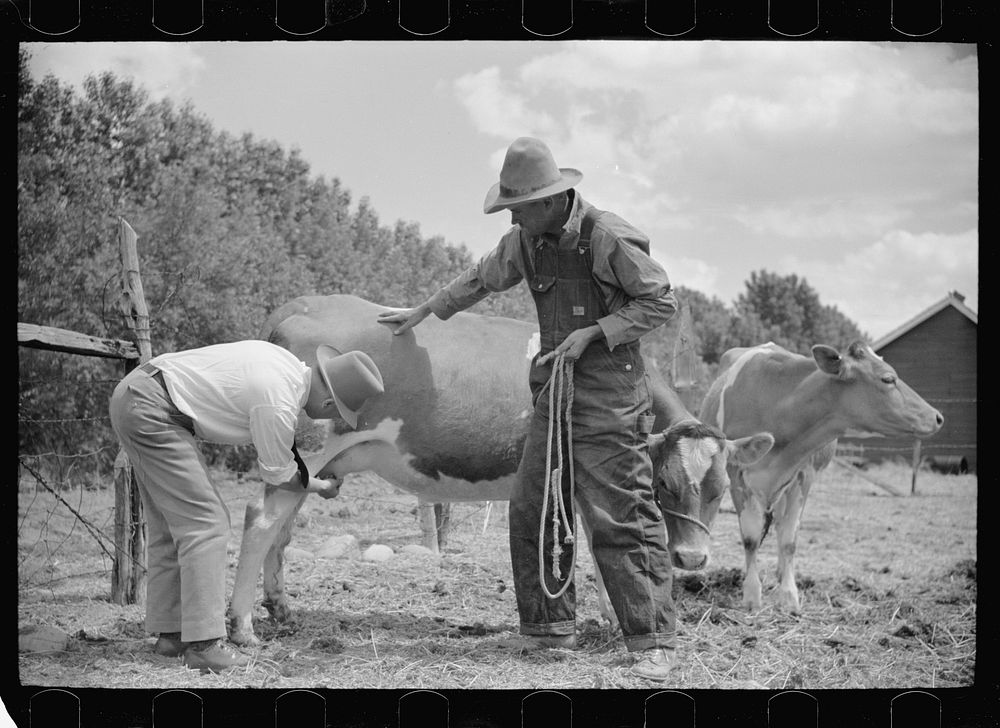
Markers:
(562, 376)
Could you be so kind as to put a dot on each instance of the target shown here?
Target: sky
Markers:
(853, 165)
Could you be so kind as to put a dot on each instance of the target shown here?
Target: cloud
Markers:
(891, 280)
(497, 108)
(820, 220)
(756, 122)
(738, 152)
(163, 69)
(691, 273)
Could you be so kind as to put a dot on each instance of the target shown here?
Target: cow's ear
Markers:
(748, 450)
(827, 359)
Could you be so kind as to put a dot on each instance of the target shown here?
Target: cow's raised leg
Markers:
(753, 525)
(275, 600)
(265, 517)
(788, 515)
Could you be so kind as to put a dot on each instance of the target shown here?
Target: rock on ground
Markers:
(41, 638)
(377, 552)
(337, 546)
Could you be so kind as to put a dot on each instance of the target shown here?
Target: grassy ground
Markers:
(888, 587)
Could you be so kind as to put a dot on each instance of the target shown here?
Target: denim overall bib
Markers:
(613, 474)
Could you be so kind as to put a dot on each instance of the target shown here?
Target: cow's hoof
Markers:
(789, 602)
(241, 632)
(279, 610)
(244, 639)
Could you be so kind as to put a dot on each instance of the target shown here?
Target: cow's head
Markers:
(690, 477)
(872, 397)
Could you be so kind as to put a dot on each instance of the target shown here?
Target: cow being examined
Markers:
(806, 403)
(450, 427)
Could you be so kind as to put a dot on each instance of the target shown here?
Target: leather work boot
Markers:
(169, 644)
(213, 656)
(654, 663)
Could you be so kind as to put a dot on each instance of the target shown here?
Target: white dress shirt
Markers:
(239, 393)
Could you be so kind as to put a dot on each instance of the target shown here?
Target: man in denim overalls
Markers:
(597, 291)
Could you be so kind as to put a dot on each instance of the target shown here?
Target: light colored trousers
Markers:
(187, 522)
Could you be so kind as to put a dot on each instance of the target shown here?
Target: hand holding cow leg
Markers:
(324, 488)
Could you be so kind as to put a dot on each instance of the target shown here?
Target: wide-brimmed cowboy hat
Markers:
(352, 379)
(529, 173)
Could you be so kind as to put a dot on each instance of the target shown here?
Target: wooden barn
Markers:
(935, 353)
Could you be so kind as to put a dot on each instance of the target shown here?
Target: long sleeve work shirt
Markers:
(636, 289)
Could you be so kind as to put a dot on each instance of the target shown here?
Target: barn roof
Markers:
(954, 299)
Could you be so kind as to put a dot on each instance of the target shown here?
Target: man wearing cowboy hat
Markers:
(235, 393)
(597, 291)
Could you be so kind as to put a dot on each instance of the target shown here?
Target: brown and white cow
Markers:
(806, 403)
(450, 427)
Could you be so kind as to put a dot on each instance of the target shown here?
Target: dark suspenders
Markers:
(303, 470)
(587, 226)
(583, 244)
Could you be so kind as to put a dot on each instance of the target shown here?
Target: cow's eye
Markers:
(889, 378)
(666, 484)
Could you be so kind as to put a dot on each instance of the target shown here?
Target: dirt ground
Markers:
(888, 588)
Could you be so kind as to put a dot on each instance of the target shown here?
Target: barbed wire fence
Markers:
(52, 448)
(66, 462)
(63, 497)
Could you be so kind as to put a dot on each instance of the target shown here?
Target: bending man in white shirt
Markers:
(236, 393)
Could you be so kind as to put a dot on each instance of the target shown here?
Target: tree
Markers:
(229, 229)
(787, 311)
(710, 323)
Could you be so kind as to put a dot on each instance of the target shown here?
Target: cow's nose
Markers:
(690, 559)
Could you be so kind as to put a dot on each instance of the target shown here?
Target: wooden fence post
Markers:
(916, 466)
(128, 578)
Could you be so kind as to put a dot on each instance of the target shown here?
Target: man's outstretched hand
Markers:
(407, 318)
